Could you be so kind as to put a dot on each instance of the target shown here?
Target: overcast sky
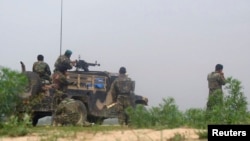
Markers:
(167, 46)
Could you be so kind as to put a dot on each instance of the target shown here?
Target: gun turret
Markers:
(81, 64)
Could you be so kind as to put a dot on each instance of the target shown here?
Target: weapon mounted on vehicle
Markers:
(81, 64)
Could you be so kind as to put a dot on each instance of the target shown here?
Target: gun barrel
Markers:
(93, 64)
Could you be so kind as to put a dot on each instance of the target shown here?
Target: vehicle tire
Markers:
(83, 112)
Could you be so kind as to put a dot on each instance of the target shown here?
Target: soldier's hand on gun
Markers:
(74, 62)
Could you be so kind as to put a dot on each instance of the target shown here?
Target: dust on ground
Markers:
(122, 135)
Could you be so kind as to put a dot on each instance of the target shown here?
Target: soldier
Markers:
(63, 62)
(122, 89)
(216, 80)
(60, 84)
(60, 81)
(71, 112)
(59, 77)
(42, 68)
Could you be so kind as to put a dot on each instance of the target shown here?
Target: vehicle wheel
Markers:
(83, 112)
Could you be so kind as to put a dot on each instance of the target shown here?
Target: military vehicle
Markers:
(90, 87)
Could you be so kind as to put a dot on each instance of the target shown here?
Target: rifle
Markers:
(81, 64)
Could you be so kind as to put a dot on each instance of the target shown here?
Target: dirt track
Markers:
(121, 135)
(126, 135)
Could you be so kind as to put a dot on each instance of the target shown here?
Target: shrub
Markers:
(195, 117)
(230, 108)
(233, 109)
(12, 83)
(167, 115)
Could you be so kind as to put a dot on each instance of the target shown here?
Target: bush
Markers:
(233, 109)
(13, 127)
(12, 83)
(195, 117)
(230, 108)
(167, 115)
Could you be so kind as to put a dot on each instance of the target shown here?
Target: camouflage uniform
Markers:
(215, 82)
(122, 89)
(63, 63)
(71, 112)
(60, 84)
(67, 111)
(42, 69)
(60, 81)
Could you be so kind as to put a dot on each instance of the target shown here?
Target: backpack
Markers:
(125, 87)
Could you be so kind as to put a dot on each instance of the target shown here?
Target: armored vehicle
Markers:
(90, 87)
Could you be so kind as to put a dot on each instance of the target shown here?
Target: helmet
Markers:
(122, 70)
(68, 53)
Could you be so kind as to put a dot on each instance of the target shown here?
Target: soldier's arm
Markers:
(33, 67)
(113, 90)
(222, 79)
(48, 69)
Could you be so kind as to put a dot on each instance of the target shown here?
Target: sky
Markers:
(167, 46)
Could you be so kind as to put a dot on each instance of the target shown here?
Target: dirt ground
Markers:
(126, 135)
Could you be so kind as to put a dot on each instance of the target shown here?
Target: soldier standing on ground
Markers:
(216, 80)
(123, 89)
(42, 68)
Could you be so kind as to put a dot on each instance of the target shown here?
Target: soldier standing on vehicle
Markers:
(42, 68)
(122, 88)
(63, 62)
(216, 80)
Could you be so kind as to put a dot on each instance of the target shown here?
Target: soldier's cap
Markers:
(68, 52)
(122, 70)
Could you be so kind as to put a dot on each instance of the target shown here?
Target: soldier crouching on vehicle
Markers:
(67, 111)
(59, 77)
(70, 112)
(122, 88)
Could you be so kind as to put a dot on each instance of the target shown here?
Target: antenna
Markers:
(61, 28)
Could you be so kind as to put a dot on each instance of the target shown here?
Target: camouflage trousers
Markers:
(215, 98)
(123, 102)
(57, 98)
(67, 119)
(70, 112)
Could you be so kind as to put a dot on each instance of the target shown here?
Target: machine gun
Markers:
(81, 64)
